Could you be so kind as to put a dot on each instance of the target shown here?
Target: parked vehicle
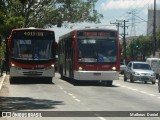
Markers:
(139, 71)
(159, 86)
(122, 68)
(155, 65)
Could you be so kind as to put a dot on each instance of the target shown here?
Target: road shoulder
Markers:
(2, 78)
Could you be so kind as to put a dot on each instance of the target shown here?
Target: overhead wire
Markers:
(142, 2)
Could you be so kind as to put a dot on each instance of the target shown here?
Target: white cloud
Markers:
(125, 4)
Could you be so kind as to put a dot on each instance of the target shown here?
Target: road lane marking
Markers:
(60, 87)
(143, 92)
(151, 94)
(129, 88)
(123, 86)
(101, 118)
(70, 94)
(74, 97)
(77, 100)
(117, 84)
(135, 89)
(65, 92)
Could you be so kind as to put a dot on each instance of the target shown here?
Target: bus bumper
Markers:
(20, 72)
(96, 75)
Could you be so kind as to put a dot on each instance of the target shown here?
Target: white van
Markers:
(155, 65)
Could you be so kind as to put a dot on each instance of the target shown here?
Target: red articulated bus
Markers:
(32, 53)
(90, 54)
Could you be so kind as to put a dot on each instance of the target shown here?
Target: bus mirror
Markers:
(12, 44)
(56, 56)
(56, 45)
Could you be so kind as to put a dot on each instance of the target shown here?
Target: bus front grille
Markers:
(32, 73)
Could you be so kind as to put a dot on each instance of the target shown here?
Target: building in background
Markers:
(150, 21)
(150, 26)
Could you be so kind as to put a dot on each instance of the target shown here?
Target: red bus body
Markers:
(83, 55)
(32, 53)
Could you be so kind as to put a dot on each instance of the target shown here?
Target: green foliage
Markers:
(10, 16)
(2, 50)
(158, 39)
(38, 13)
(141, 46)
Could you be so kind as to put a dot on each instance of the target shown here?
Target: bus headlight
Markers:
(16, 67)
(13, 65)
(113, 68)
(80, 68)
(52, 65)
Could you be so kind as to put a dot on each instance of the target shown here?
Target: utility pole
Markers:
(117, 25)
(154, 30)
(124, 39)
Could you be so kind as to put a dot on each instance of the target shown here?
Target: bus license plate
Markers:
(32, 72)
(97, 73)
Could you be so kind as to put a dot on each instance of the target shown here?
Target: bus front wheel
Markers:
(11, 80)
(108, 83)
(49, 80)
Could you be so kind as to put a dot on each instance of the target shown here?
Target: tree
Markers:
(38, 13)
(141, 46)
(158, 39)
(9, 16)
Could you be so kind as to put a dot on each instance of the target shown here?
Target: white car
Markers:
(122, 68)
(159, 86)
(139, 71)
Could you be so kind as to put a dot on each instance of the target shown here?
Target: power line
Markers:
(133, 30)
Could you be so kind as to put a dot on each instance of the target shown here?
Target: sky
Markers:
(118, 10)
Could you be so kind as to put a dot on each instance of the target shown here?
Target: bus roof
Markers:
(87, 29)
(31, 28)
(95, 28)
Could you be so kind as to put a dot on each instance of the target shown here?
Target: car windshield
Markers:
(141, 66)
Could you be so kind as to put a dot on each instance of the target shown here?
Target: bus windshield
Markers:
(32, 49)
(97, 50)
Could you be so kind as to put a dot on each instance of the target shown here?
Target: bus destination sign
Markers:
(102, 34)
(34, 33)
(97, 33)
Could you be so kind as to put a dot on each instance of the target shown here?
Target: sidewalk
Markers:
(2, 78)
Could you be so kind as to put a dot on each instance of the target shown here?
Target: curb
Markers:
(2, 80)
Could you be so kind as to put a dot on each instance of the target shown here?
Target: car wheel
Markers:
(159, 86)
(153, 82)
(125, 78)
(145, 82)
(131, 79)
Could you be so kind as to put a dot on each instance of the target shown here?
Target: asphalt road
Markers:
(35, 95)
